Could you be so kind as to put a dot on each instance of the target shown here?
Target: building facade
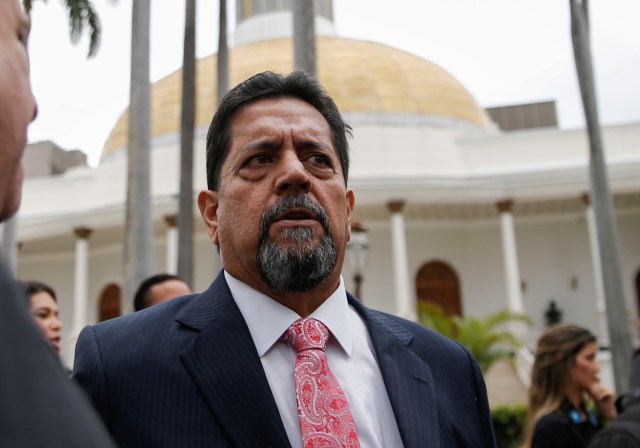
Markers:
(457, 211)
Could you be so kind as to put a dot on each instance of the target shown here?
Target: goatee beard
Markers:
(302, 266)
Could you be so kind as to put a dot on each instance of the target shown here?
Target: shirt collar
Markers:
(268, 320)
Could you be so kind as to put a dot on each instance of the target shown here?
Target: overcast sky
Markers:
(503, 52)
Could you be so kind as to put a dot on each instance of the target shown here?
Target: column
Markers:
(601, 306)
(81, 279)
(510, 255)
(172, 244)
(80, 290)
(405, 306)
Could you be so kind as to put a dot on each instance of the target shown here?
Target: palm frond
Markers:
(27, 6)
(506, 316)
(81, 14)
(481, 337)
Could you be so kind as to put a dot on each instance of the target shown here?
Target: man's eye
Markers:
(259, 159)
(320, 159)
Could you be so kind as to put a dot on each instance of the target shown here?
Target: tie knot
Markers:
(306, 334)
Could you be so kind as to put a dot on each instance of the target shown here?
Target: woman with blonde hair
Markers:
(564, 377)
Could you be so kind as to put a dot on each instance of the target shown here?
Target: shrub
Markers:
(508, 424)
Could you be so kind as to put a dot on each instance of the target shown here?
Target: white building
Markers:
(457, 211)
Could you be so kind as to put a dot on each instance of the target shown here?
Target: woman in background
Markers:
(43, 306)
(564, 377)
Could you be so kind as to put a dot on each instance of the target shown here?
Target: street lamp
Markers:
(358, 247)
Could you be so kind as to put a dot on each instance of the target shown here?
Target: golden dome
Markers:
(362, 77)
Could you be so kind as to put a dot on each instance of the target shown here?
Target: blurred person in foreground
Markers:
(276, 352)
(39, 406)
(624, 430)
(159, 288)
(564, 379)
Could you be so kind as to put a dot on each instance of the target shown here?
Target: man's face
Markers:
(167, 290)
(282, 202)
(17, 105)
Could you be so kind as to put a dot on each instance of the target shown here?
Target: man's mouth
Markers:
(298, 214)
(292, 212)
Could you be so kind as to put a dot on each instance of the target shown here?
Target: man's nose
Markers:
(292, 175)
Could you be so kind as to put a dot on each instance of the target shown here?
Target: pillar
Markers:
(510, 255)
(172, 244)
(80, 289)
(405, 306)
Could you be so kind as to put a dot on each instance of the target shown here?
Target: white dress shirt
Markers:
(349, 352)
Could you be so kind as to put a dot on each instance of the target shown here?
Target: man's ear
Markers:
(351, 203)
(208, 205)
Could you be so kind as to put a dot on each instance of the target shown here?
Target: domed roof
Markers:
(362, 77)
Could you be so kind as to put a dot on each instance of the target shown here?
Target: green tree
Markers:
(484, 338)
(82, 15)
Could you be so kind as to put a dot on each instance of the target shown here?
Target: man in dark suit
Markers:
(213, 369)
(624, 430)
(39, 406)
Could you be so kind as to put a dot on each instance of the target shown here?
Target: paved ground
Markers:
(504, 386)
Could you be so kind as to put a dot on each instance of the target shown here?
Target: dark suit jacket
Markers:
(622, 432)
(39, 406)
(186, 373)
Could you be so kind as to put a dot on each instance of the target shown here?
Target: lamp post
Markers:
(358, 247)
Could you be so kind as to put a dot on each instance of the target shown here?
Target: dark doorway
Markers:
(109, 303)
(437, 283)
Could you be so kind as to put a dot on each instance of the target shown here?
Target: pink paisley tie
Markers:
(325, 418)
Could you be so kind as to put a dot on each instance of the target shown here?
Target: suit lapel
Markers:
(224, 363)
(407, 378)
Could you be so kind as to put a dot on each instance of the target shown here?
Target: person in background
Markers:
(276, 352)
(159, 288)
(43, 305)
(39, 406)
(564, 377)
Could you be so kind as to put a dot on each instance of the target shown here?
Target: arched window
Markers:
(437, 283)
(109, 303)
